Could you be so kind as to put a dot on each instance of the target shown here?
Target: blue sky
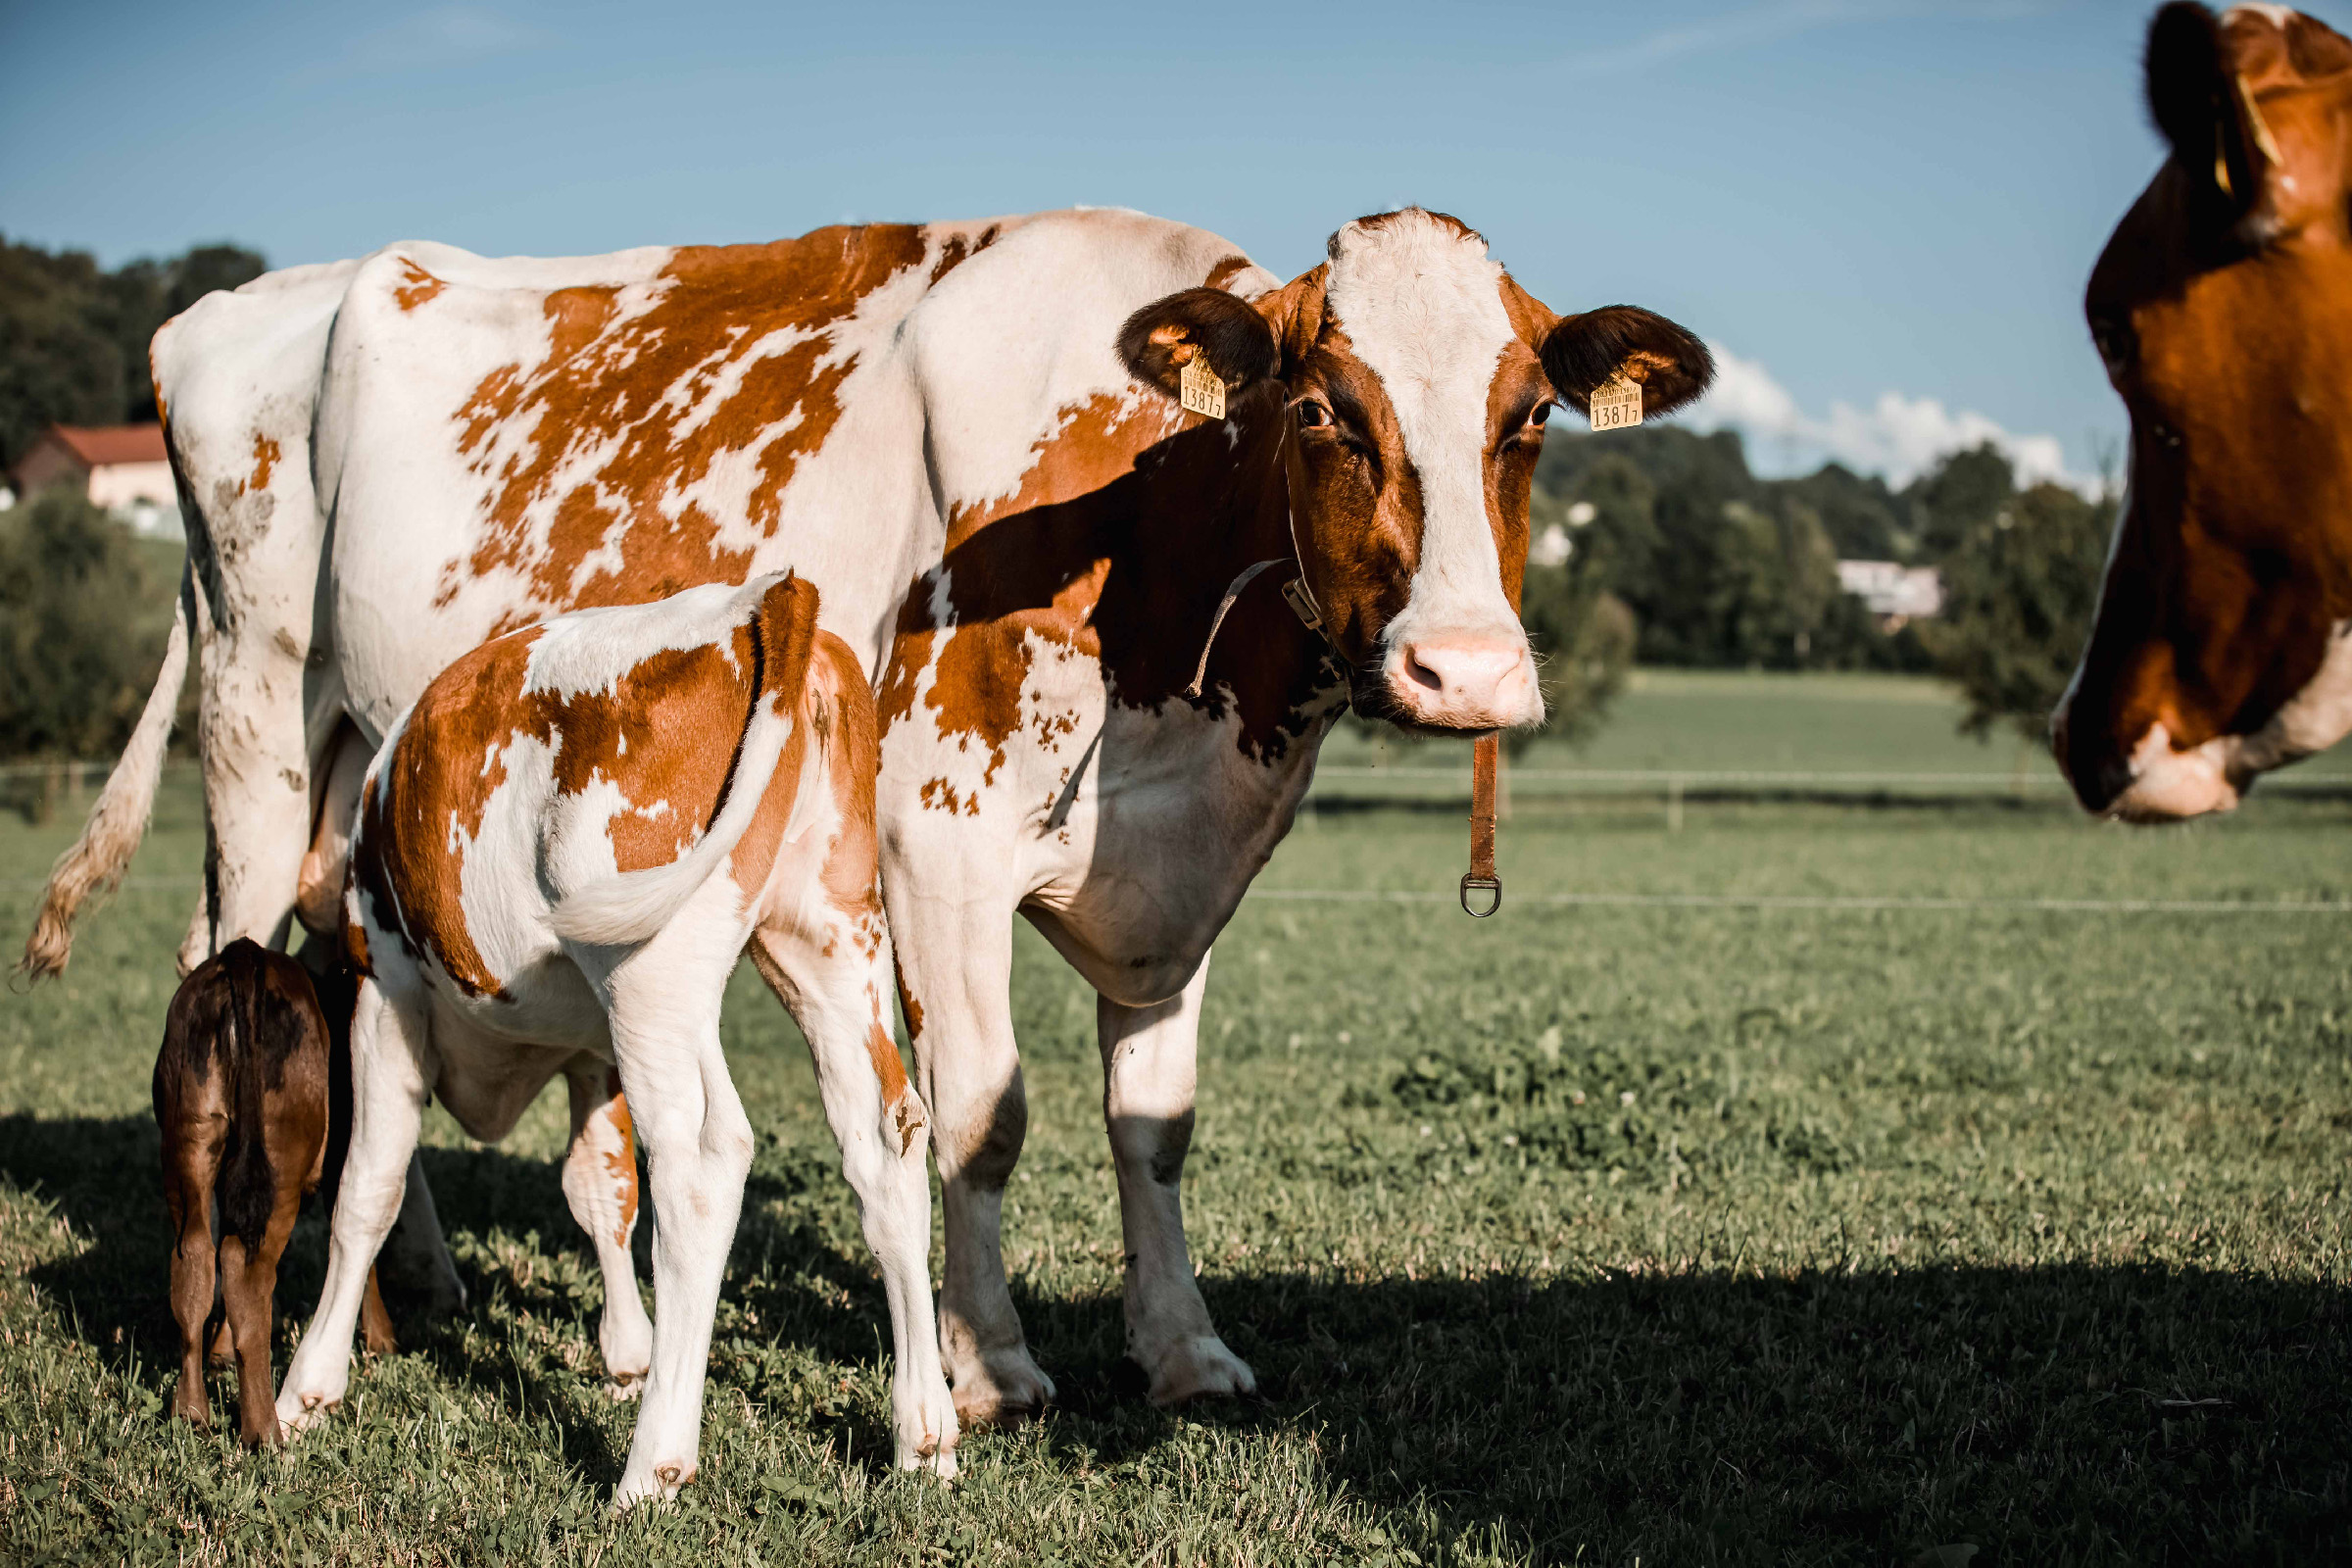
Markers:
(1882, 209)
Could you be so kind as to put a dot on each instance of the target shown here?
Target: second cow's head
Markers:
(1413, 377)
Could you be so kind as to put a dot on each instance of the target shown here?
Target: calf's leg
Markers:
(698, 1146)
(600, 1182)
(192, 1158)
(1147, 1077)
(249, 1288)
(391, 1074)
(841, 999)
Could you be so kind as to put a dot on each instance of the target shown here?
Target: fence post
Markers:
(1674, 802)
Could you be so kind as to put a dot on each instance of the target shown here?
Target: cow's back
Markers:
(505, 441)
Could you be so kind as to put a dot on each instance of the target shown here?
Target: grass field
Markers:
(1684, 1235)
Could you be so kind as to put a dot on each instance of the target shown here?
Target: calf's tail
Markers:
(631, 905)
(246, 1188)
(119, 820)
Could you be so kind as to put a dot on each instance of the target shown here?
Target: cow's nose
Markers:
(2099, 774)
(1467, 681)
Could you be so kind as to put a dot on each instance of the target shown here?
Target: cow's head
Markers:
(1413, 377)
(2223, 308)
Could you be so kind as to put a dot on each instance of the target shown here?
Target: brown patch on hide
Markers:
(264, 460)
(730, 355)
(667, 733)
(417, 285)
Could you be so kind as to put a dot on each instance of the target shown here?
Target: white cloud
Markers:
(1897, 437)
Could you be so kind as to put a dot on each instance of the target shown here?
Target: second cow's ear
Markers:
(1164, 336)
(1582, 352)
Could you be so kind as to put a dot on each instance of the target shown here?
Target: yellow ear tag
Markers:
(1199, 387)
(1617, 404)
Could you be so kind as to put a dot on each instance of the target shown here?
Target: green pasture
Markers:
(1609, 1234)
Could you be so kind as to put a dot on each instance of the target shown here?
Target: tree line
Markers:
(84, 605)
(1681, 556)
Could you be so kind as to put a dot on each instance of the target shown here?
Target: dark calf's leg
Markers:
(249, 1286)
(189, 1167)
(376, 1324)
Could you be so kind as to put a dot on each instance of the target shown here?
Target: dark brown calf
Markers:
(242, 1096)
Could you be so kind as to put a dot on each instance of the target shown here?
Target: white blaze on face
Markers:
(1422, 306)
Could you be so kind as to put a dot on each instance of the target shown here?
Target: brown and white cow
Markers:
(969, 435)
(2223, 308)
(561, 851)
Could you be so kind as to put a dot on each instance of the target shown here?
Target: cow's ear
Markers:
(1162, 337)
(2204, 110)
(1582, 352)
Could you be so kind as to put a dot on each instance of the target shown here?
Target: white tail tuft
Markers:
(119, 820)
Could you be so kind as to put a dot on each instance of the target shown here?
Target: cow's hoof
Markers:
(298, 1413)
(623, 1387)
(928, 1429)
(1004, 1390)
(1199, 1369)
(657, 1484)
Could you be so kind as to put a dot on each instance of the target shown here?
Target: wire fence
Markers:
(1357, 784)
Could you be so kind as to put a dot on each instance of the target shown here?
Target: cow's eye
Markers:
(2117, 343)
(1312, 416)
(1538, 415)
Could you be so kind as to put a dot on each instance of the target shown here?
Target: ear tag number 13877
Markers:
(1617, 405)
(1199, 389)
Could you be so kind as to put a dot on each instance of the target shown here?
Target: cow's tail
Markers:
(631, 905)
(119, 820)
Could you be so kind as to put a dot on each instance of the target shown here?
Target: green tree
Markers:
(1960, 495)
(2019, 589)
(73, 338)
(84, 616)
(58, 363)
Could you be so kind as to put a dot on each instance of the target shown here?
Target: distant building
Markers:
(122, 468)
(1891, 591)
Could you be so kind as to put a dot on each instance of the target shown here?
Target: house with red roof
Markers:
(122, 468)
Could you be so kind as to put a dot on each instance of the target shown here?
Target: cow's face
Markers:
(1412, 378)
(2223, 308)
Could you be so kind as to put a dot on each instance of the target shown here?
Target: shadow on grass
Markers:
(2068, 1413)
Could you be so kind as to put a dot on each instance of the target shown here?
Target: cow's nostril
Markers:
(1421, 674)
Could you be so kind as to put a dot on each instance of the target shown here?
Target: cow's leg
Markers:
(253, 734)
(955, 981)
(698, 1147)
(839, 993)
(249, 1288)
(600, 1181)
(1148, 1068)
(188, 1194)
(392, 1070)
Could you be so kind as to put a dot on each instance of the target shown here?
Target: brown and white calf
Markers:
(969, 437)
(2223, 309)
(243, 1096)
(560, 853)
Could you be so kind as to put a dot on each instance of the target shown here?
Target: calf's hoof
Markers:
(1004, 1389)
(623, 1387)
(1199, 1369)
